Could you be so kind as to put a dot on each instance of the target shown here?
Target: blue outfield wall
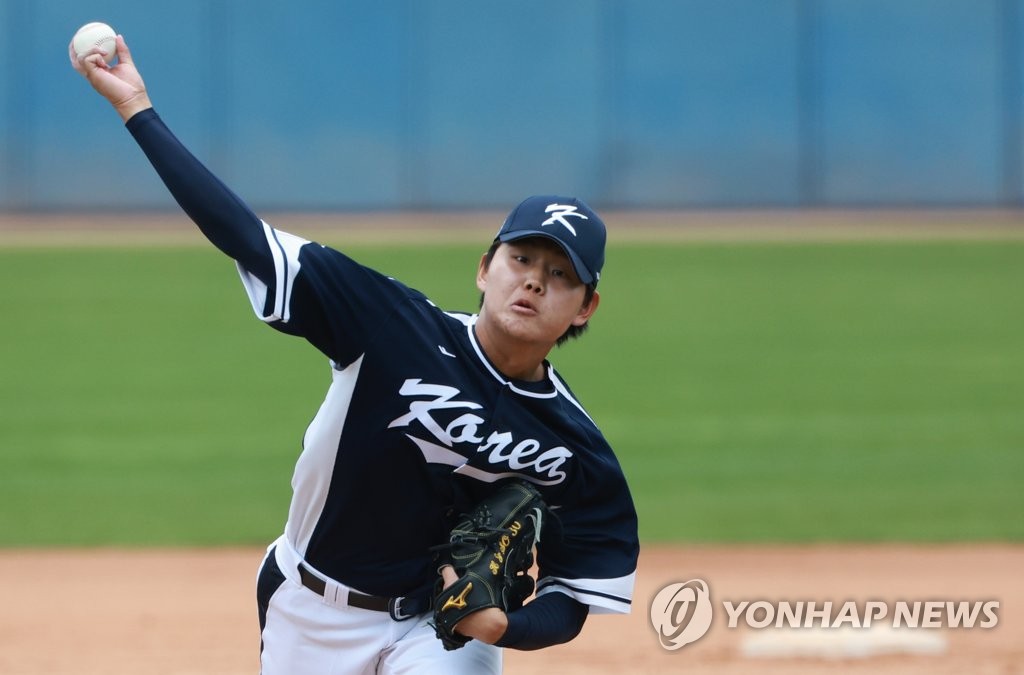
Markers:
(327, 104)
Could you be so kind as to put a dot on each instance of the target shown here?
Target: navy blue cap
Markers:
(566, 220)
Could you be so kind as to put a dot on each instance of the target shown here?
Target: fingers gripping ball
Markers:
(95, 35)
(491, 549)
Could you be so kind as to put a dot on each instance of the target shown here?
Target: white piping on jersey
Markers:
(284, 249)
(605, 596)
(315, 467)
(469, 321)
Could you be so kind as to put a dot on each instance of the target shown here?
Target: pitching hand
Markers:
(121, 84)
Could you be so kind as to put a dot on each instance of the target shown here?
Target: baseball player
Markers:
(427, 411)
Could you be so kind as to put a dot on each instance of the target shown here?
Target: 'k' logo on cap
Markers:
(561, 212)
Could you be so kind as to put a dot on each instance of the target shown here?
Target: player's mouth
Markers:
(524, 307)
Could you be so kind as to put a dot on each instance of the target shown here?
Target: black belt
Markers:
(400, 609)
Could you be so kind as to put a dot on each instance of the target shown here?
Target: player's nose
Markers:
(534, 285)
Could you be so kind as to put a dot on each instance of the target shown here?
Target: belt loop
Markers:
(335, 594)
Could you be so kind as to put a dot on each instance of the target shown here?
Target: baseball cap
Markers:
(567, 221)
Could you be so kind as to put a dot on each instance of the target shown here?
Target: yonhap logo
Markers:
(681, 613)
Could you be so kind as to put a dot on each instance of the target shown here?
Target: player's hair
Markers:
(573, 331)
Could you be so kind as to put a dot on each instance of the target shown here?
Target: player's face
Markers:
(531, 292)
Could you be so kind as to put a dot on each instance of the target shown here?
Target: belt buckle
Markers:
(395, 609)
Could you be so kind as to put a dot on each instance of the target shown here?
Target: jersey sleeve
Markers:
(590, 550)
(321, 294)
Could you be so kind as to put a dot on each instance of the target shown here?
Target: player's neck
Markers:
(513, 358)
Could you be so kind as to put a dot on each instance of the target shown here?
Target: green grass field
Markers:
(754, 392)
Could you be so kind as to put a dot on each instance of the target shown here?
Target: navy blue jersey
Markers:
(416, 409)
(417, 424)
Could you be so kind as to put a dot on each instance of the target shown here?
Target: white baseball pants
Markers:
(311, 634)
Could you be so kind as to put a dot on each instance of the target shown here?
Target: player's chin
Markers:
(531, 329)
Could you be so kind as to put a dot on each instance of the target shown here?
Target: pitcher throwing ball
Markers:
(447, 449)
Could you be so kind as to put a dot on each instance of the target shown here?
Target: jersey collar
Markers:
(545, 388)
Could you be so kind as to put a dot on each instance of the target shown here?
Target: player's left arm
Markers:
(549, 620)
(589, 555)
(587, 562)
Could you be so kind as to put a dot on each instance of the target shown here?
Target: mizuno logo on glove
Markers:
(458, 601)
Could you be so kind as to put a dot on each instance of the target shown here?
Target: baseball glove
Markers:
(491, 549)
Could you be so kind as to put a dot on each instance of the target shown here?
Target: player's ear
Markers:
(587, 310)
(481, 273)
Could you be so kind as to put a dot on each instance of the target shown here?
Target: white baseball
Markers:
(95, 34)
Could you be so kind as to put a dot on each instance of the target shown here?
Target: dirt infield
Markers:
(192, 612)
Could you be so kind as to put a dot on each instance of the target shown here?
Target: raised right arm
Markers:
(220, 214)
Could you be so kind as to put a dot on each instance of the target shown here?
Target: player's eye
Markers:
(521, 258)
(557, 272)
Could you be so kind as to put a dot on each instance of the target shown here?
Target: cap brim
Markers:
(577, 264)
